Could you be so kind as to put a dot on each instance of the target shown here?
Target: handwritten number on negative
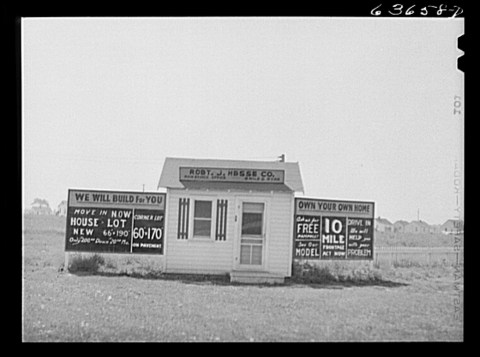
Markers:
(409, 10)
(376, 12)
(458, 11)
(398, 7)
(397, 10)
(441, 10)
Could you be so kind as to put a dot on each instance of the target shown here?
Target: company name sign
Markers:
(206, 174)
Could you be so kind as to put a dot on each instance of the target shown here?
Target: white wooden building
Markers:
(230, 217)
(383, 225)
(452, 226)
(61, 209)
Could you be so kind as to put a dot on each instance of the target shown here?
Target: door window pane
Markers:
(256, 254)
(251, 254)
(252, 223)
(252, 218)
(245, 254)
(253, 207)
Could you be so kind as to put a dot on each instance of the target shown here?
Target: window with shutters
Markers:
(202, 219)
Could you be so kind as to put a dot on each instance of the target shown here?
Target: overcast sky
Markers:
(364, 105)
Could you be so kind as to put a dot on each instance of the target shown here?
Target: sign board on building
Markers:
(208, 174)
(330, 229)
(115, 222)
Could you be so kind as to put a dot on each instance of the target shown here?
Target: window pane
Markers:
(251, 254)
(257, 254)
(253, 207)
(203, 209)
(245, 254)
(202, 227)
(257, 241)
(252, 223)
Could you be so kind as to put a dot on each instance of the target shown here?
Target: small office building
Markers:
(230, 217)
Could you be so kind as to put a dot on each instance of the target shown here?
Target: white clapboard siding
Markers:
(279, 245)
(217, 257)
(193, 255)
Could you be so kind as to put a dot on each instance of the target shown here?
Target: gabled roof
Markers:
(420, 223)
(401, 222)
(170, 176)
(452, 222)
(383, 221)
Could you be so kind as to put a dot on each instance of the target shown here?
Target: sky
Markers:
(365, 105)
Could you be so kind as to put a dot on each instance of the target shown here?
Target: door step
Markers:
(255, 277)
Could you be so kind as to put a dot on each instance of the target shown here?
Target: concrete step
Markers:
(255, 277)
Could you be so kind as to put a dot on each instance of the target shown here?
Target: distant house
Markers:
(436, 228)
(62, 208)
(417, 227)
(40, 207)
(452, 226)
(399, 226)
(383, 225)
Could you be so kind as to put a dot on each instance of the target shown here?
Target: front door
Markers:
(252, 235)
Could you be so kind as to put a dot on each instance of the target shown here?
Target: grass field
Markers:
(406, 304)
